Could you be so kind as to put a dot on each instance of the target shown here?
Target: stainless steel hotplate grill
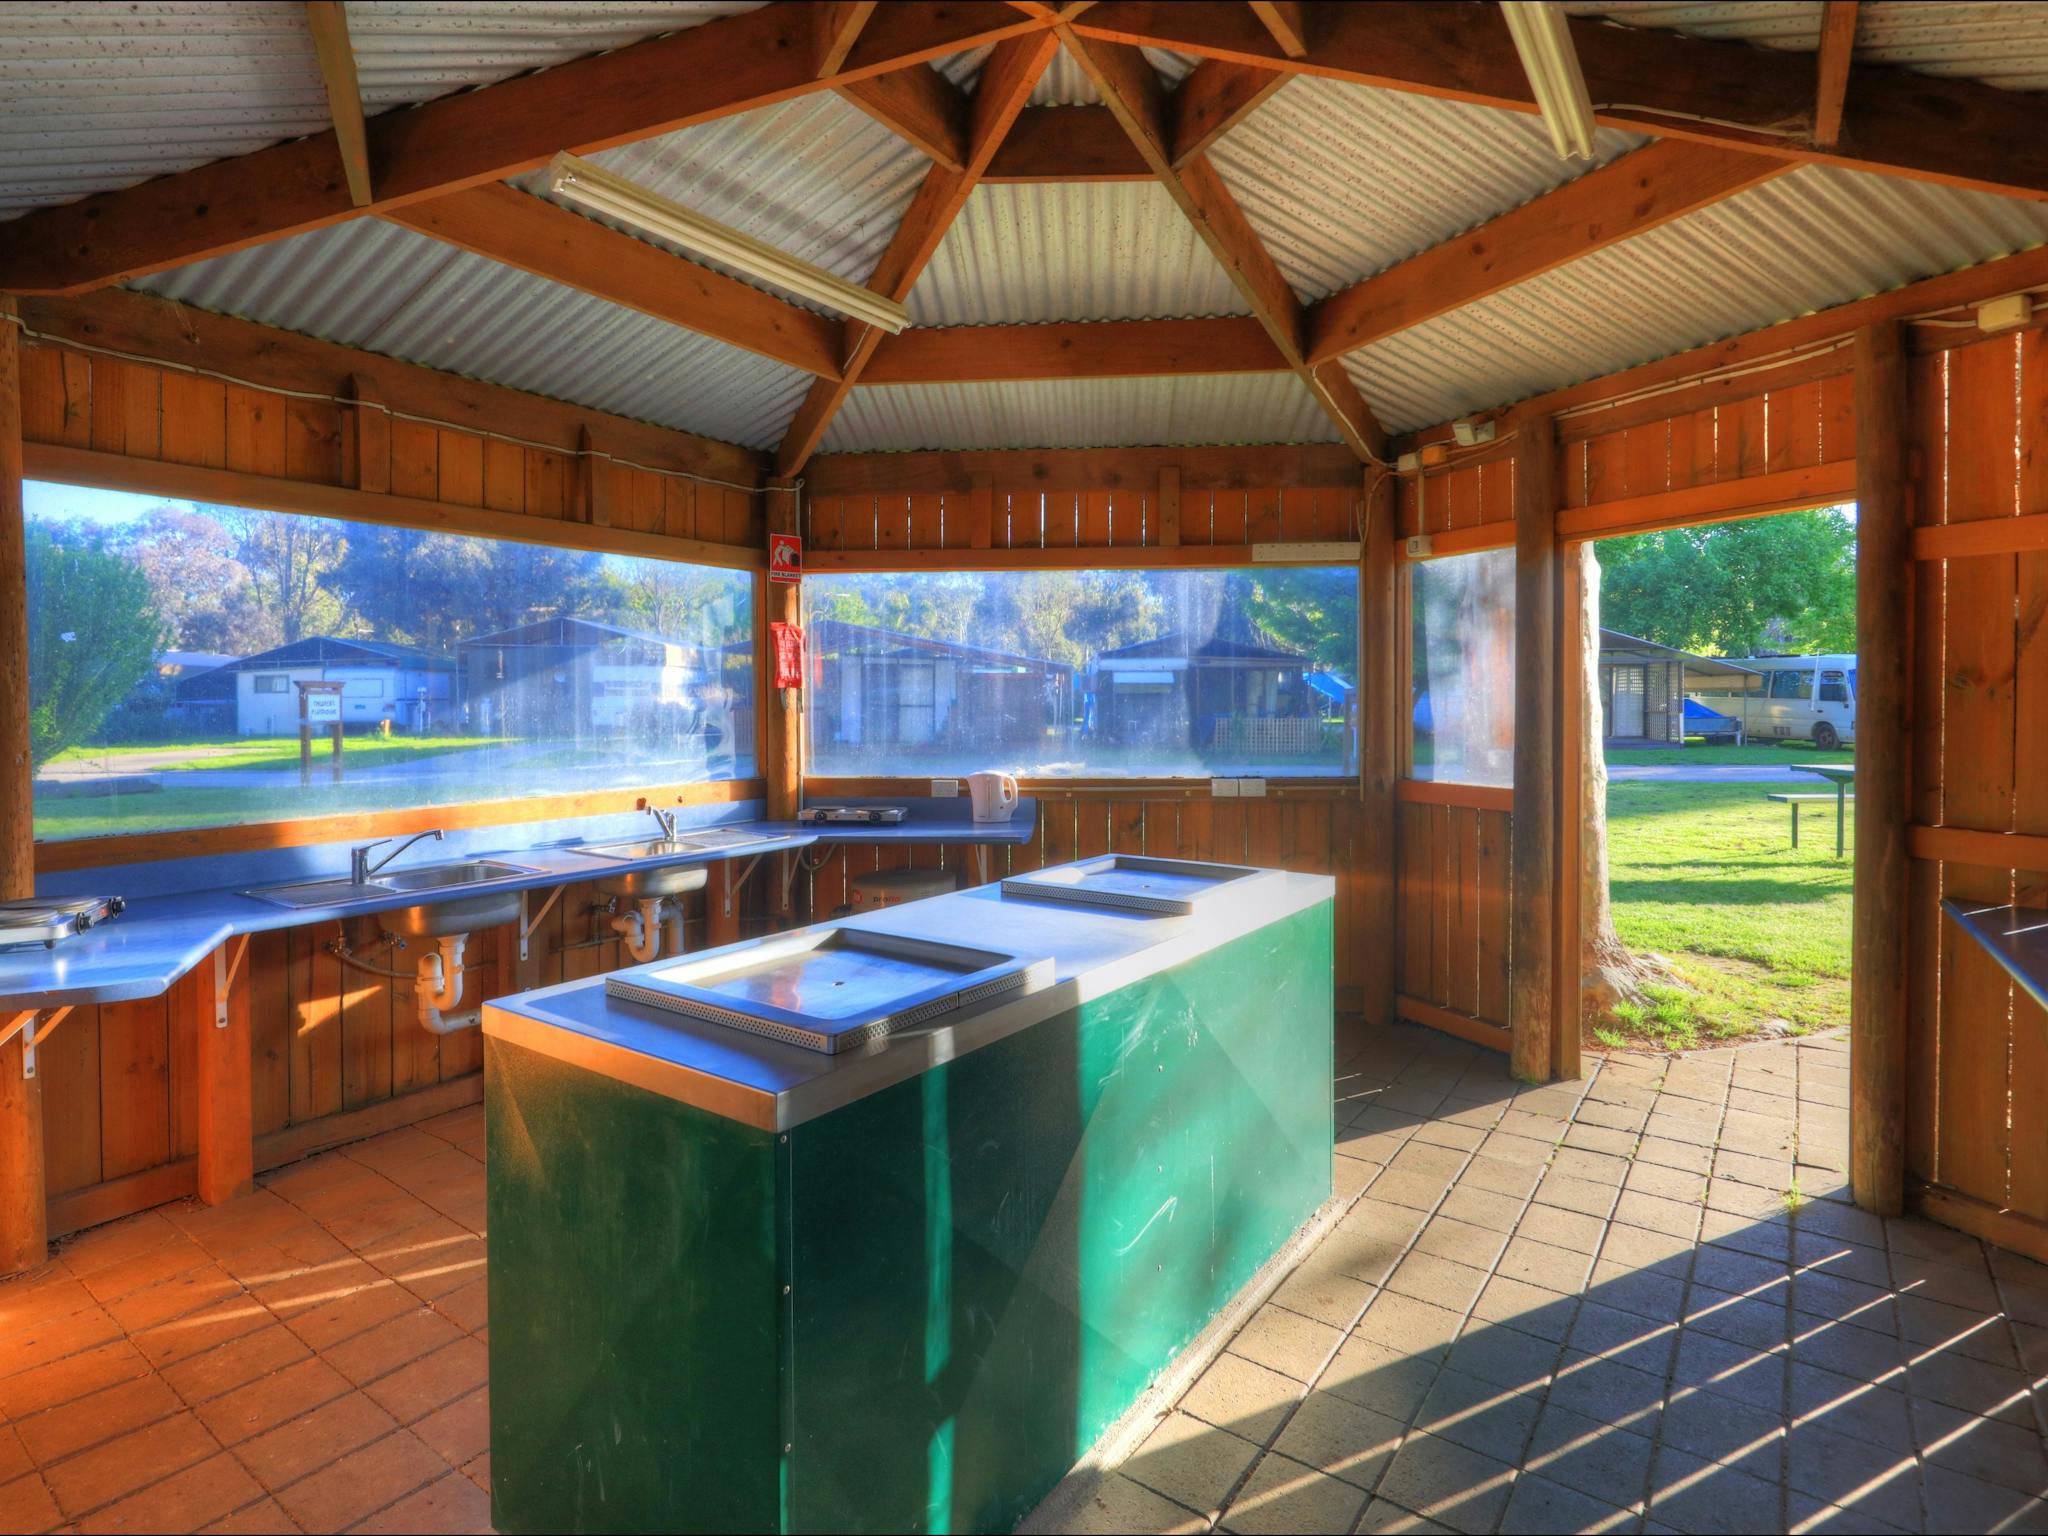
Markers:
(48, 922)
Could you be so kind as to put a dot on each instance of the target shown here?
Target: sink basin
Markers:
(434, 877)
(424, 877)
(463, 914)
(658, 880)
(642, 848)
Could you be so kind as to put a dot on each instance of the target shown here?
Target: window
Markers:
(1792, 685)
(1834, 688)
(1463, 649)
(1084, 673)
(469, 669)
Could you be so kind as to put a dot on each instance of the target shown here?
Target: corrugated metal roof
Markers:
(415, 50)
(2003, 44)
(94, 97)
(1118, 250)
(373, 285)
(815, 177)
(1065, 83)
(1084, 413)
(1343, 180)
(1807, 241)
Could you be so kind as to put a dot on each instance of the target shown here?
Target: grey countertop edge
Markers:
(527, 1021)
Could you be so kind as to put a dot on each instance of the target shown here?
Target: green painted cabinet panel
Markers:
(986, 1264)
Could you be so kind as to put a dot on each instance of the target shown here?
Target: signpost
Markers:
(319, 705)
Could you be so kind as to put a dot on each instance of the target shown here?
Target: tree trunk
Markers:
(1608, 973)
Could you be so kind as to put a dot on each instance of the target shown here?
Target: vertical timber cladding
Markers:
(1977, 1048)
(118, 1080)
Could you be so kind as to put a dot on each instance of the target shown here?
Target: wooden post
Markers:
(213, 1002)
(783, 768)
(1533, 888)
(24, 1231)
(1381, 740)
(1877, 952)
(1169, 507)
(1578, 659)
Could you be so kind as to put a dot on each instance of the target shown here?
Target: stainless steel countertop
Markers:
(773, 1086)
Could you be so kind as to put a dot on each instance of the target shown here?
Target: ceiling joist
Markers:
(1133, 92)
(838, 30)
(1005, 85)
(328, 24)
(1935, 128)
(1214, 99)
(1831, 66)
(1067, 144)
(723, 67)
(920, 106)
(1102, 349)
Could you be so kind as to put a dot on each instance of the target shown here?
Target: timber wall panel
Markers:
(1977, 1046)
(1115, 518)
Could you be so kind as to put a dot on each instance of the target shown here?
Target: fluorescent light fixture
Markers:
(1543, 38)
(593, 187)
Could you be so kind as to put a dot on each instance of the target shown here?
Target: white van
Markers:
(1810, 698)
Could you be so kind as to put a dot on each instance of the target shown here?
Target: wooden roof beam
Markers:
(999, 96)
(1627, 197)
(920, 106)
(839, 28)
(1215, 98)
(1103, 349)
(1287, 21)
(537, 236)
(328, 23)
(1133, 93)
(723, 67)
(1831, 65)
(1933, 128)
(1067, 144)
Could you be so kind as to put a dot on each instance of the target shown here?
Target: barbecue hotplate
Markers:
(48, 921)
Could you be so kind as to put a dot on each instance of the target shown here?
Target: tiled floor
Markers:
(1596, 1306)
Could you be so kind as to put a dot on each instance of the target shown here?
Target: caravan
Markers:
(1809, 698)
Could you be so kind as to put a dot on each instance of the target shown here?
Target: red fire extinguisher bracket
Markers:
(788, 640)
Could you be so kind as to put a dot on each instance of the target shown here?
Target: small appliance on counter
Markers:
(994, 795)
(47, 921)
(854, 815)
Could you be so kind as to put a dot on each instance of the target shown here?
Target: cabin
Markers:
(949, 864)
(1644, 687)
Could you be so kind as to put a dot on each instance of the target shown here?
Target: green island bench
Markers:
(1841, 818)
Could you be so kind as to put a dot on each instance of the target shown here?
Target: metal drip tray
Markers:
(830, 989)
(1129, 882)
(48, 921)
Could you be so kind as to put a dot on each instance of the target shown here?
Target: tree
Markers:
(290, 559)
(93, 634)
(1728, 589)
(1311, 609)
(204, 594)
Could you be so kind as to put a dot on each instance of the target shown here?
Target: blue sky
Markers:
(73, 503)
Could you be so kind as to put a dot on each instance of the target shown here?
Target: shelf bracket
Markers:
(734, 887)
(528, 922)
(224, 973)
(33, 1029)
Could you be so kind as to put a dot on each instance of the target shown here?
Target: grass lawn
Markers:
(1762, 754)
(264, 752)
(1706, 876)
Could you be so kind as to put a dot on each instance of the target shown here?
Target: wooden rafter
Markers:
(530, 233)
(1005, 85)
(1831, 65)
(1214, 99)
(1286, 21)
(723, 67)
(1627, 197)
(1105, 349)
(1133, 93)
(328, 24)
(1957, 132)
(838, 30)
(920, 106)
(1067, 144)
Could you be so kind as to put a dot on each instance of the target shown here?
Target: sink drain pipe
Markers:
(437, 983)
(655, 923)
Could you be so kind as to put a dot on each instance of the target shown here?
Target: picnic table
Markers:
(1842, 776)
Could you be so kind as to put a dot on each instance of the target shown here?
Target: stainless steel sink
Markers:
(686, 845)
(463, 914)
(397, 882)
(656, 880)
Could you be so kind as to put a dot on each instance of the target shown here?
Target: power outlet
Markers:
(1252, 789)
(1223, 789)
(945, 789)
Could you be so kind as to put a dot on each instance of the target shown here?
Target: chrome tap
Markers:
(666, 820)
(359, 866)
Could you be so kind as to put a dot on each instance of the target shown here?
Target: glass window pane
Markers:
(1464, 668)
(1083, 673)
(173, 647)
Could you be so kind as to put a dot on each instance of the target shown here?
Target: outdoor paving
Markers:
(1584, 1306)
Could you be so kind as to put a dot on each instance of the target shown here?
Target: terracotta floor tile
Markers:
(175, 1255)
(452, 1504)
(26, 1505)
(392, 1344)
(468, 1307)
(235, 1363)
(44, 1295)
(416, 1390)
(75, 1426)
(479, 1471)
(394, 1151)
(15, 1460)
(262, 1405)
(74, 1376)
(309, 1443)
(135, 1460)
(461, 1431)
(300, 1181)
(348, 1307)
(203, 1285)
(117, 1241)
(362, 1483)
(261, 1518)
(256, 1218)
(38, 1344)
(183, 1501)
(384, 1220)
(196, 1332)
(431, 1266)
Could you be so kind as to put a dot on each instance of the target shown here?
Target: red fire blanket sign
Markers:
(789, 654)
(785, 557)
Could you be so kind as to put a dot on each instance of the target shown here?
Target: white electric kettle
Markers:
(995, 795)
